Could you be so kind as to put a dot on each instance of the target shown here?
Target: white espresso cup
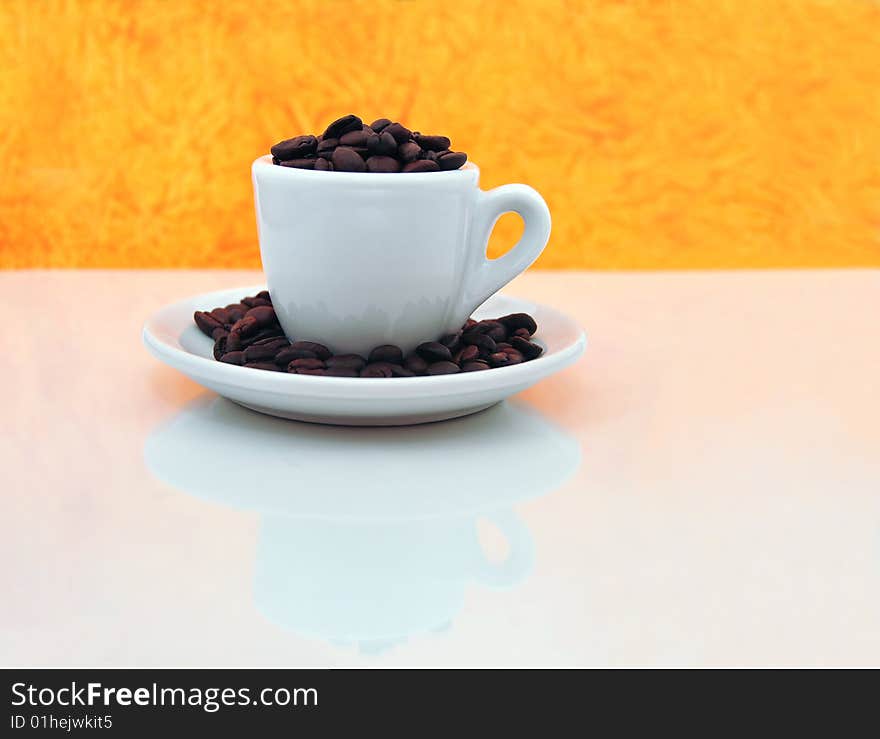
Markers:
(357, 260)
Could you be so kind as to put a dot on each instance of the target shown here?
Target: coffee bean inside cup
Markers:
(247, 334)
(384, 146)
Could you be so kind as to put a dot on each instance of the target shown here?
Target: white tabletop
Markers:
(703, 488)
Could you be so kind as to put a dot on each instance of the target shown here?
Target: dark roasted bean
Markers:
(382, 143)
(414, 363)
(398, 371)
(218, 332)
(220, 346)
(476, 366)
(451, 341)
(299, 163)
(400, 133)
(452, 160)
(263, 366)
(298, 364)
(377, 369)
(317, 371)
(486, 343)
(295, 148)
(443, 368)
(288, 354)
(264, 315)
(382, 164)
(434, 351)
(379, 124)
(348, 361)
(430, 156)
(274, 331)
(277, 341)
(529, 349)
(523, 333)
(206, 322)
(468, 324)
(468, 354)
(341, 372)
(326, 147)
(346, 159)
(342, 126)
(493, 329)
(259, 352)
(233, 358)
(519, 320)
(222, 315)
(386, 353)
(233, 341)
(320, 351)
(432, 143)
(246, 326)
(354, 138)
(409, 151)
(236, 311)
(421, 165)
(324, 165)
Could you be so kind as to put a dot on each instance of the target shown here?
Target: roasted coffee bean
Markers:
(382, 164)
(320, 351)
(288, 354)
(421, 165)
(398, 371)
(220, 346)
(354, 138)
(468, 354)
(476, 366)
(434, 351)
(342, 126)
(264, 294)
(452, 160)
(473, 338)
(259, 353)
(318, 371)
(451, 341)
(236, 311)
(528, 349)
(408, 152)
(432, 143)
(400, 133)
(347, 361)
(246, 326)
(263, 366)
(377, 369)
(379, 124)
(386, 353)
(342, 372)
(382, 143)
(277, 341)
(519, 320)
(296, 148)
(430, 156)
(494, 329)
(300, 163)
(468, 324)
(206, 322)
(274, 331)
(233, 358)
(505, 358)
(264, 315)
(323, 165)
(523, 333)
(222, 315)
(346, 159)
(326, 147)
(255, 301)
(218, 332)
(298, 364)
(414, 363)
(443, 368)
(275, 160)
(233, 341)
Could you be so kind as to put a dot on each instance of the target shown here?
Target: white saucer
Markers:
(172, 337)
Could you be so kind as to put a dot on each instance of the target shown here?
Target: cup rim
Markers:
(469, 170)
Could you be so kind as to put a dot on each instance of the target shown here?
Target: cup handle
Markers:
(490, 275)
(520, 559)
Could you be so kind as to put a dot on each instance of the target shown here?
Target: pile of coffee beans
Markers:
(348, 145)
(248, 334)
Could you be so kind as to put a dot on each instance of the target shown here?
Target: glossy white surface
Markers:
(356, 260)
(173, 338)
(702, 489)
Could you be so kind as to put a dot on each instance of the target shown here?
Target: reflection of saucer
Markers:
(368, 536)
(171, 336)
(216, 450)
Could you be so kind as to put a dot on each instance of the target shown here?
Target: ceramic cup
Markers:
(356, 260)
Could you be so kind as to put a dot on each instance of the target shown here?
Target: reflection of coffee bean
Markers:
(474, 366)
(377, 369)
(386, 353)
(414, 363)
(346, 361)
(443, 368)
(432, 351)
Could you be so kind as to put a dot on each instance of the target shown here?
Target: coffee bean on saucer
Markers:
(414, 363)
(474, 338)
(443, 368)
(299, 163)
(400, 133)
(398, 371)
(354, 138)
(341, 372)
(346, 159)
(342, 126)
(236, 311)
(493, 329)
(206, 322)
(434, 351)
(377, 369)
(222, 315)
(296, 148)
(523, 333)
(468, 324)
(326, 147)
(264, 315)
(408, 152)
(421, 165)
(451, 341)
(317, 371)
(476, 366)
(467, 354)
(430, 156)
(346, 361)
(386, 353)
(319, 350)
(273, 331)
(305, 364)
(432, 143)
(220, 346)
(259, 353)
(233, 341)
(519, 320)
(233, 358)
(286, 355)
(264, 366)
(323, 165)
(247, 325)
(382, 164)
(528, 349)
(452, 160)
(379, 124)
(218, 332)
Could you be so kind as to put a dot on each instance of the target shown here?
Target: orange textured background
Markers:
(694, 133)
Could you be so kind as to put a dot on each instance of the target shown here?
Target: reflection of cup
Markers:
(360, 540)
(356, 260)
